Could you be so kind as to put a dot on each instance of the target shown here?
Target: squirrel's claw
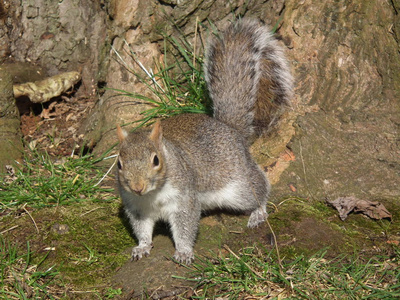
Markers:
(184, 257)
(139, 251)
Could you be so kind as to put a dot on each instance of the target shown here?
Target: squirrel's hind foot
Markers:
(257, 217)
(139, 251)
(184, 257)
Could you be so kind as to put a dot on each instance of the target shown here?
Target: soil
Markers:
(54, 126)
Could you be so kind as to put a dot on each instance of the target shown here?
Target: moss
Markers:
(87, 252)
(305, 227)
(92, 244)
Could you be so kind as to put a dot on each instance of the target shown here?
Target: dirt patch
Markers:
(54, 126)
(158, 274)
(309, 235)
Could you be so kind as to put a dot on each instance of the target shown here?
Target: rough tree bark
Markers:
(40, 38)
(10, 133)
(141, 24)
(346, 58)
(60, 36)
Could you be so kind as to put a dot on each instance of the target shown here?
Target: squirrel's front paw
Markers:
(139, 251)
(184, 257)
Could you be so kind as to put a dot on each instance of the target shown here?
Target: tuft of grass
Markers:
(256, 274)
(20, 278)
(111, 293)
(42, 181)
(176, 88)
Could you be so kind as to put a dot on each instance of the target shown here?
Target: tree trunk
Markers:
(40, 38)
(60, 36)
(346, 59)
(10, 133)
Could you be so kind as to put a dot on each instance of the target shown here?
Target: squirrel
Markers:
(189, 163)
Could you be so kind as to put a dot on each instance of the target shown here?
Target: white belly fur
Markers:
(156, 204)
(161, 204)
(230, 196)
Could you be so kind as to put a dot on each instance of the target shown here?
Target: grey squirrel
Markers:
(193, 162)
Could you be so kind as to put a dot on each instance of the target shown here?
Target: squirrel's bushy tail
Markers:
(248, 77)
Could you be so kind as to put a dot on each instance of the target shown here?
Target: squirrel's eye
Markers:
(156, 161)
(119, 165)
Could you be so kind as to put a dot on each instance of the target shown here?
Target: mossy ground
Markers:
(84, 242)
(89, 242)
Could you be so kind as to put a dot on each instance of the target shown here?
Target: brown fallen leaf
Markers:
(372, 209)
(292, 187)
(11, 176)
(393, 242)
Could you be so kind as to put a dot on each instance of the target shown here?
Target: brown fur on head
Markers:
(156, 133)
(140, 162)
(122, 134)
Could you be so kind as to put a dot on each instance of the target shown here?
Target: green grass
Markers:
(20, 278)
(177, 87)
(43, 192)
(45, 181)
(257, 274)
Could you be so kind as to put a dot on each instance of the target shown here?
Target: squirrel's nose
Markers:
(138, 189)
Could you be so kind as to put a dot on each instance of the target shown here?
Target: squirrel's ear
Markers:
(122, 134)
(156, 133)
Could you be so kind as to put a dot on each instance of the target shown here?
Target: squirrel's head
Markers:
(141, 167)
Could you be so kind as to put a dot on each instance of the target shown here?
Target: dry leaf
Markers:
(393, 242)
(372, 209)
(292, 188)
(10, 177)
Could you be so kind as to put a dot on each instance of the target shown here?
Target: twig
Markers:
(194, 46)
(119, 56)
(290, 198)
(226, 247)
(109, 170)
(111, 156)
(140, 65)
(276, 246)
(273, 204)
(157, 289)
(302, 162)
(82, 292)
(34, 223)
(236, 232)
(9, 229)
(92, 210)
